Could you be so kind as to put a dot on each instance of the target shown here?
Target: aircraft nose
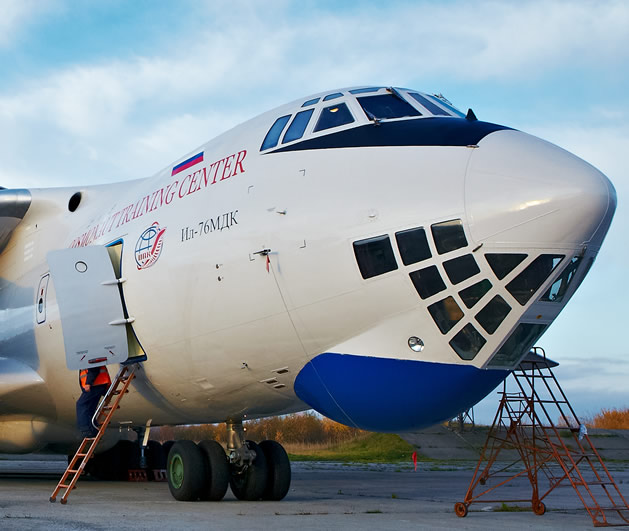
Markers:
(523, 191)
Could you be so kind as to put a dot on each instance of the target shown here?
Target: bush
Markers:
(611, 419)
(299, 428)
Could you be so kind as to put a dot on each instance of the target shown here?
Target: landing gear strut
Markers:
(248, 466)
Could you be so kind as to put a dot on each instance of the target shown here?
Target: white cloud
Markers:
(523, 40)
(461, 40)
(16, 15)
(234, 63)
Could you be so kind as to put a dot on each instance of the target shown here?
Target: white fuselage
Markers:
(255, 305)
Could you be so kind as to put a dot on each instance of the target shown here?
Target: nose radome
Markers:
(520, 190)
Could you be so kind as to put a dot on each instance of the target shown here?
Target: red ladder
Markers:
(525, 424)
(102, 417)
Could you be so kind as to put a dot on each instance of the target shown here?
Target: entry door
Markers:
(136, 352)
(90, 306)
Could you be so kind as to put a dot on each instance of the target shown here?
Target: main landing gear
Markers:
(253, 471)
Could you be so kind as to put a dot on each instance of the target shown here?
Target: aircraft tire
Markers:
(217, 479)
(279, 474)
(249, 485)
(186, 471)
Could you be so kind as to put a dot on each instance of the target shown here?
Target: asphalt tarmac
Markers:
(322, 496)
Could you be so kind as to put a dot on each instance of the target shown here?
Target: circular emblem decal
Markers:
(149, 246)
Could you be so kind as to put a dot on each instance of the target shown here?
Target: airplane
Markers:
(372, 253)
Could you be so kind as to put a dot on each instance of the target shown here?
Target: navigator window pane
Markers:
(446, 314)
(333, 96)
(413, 245)
(431, 106)
(386, 106)
(427, 281)
(519, 343)
(448, 236)
(492, 315)
(503, 264)
(297, 127)
(363, 90)
(524, 286)
(475, 292)
(333, 117)
(558, 289)
(374, 256)
(468, 342)
(461, 268)
(273, 136)
(311, 102)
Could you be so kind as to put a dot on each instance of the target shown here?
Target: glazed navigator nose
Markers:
(523, 191)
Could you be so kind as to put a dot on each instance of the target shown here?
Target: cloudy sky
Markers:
(94, 92)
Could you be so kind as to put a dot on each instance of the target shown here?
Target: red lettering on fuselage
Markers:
(226, 167)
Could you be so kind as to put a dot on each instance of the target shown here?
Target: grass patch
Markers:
(372, 448)
(504, 508)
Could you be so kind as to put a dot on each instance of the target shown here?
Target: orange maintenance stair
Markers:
(552, 448)
(102, 418)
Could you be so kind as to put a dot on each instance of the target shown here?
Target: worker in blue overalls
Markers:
(94, 384)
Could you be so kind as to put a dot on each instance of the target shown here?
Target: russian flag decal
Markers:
(187, 163)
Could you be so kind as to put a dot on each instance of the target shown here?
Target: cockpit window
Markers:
(470, 296)
(311, 102)
(363, 90)
(333, 96)
(503, 264)
(431, 106)
(467, 342)
(333, 117)
(558, 289)
(461, 268)
(298, 126)
(273, 136)
(528, 281)
(413, 245)
(492, 315)
(443, 101)
(448, 235)
(446, 314)
(385, 106)
(374, 256)
(427, 281)
(520, 341)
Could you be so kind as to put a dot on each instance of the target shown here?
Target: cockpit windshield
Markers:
(342, 108)
(428, 104)
(334, 116)
(385, 106)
